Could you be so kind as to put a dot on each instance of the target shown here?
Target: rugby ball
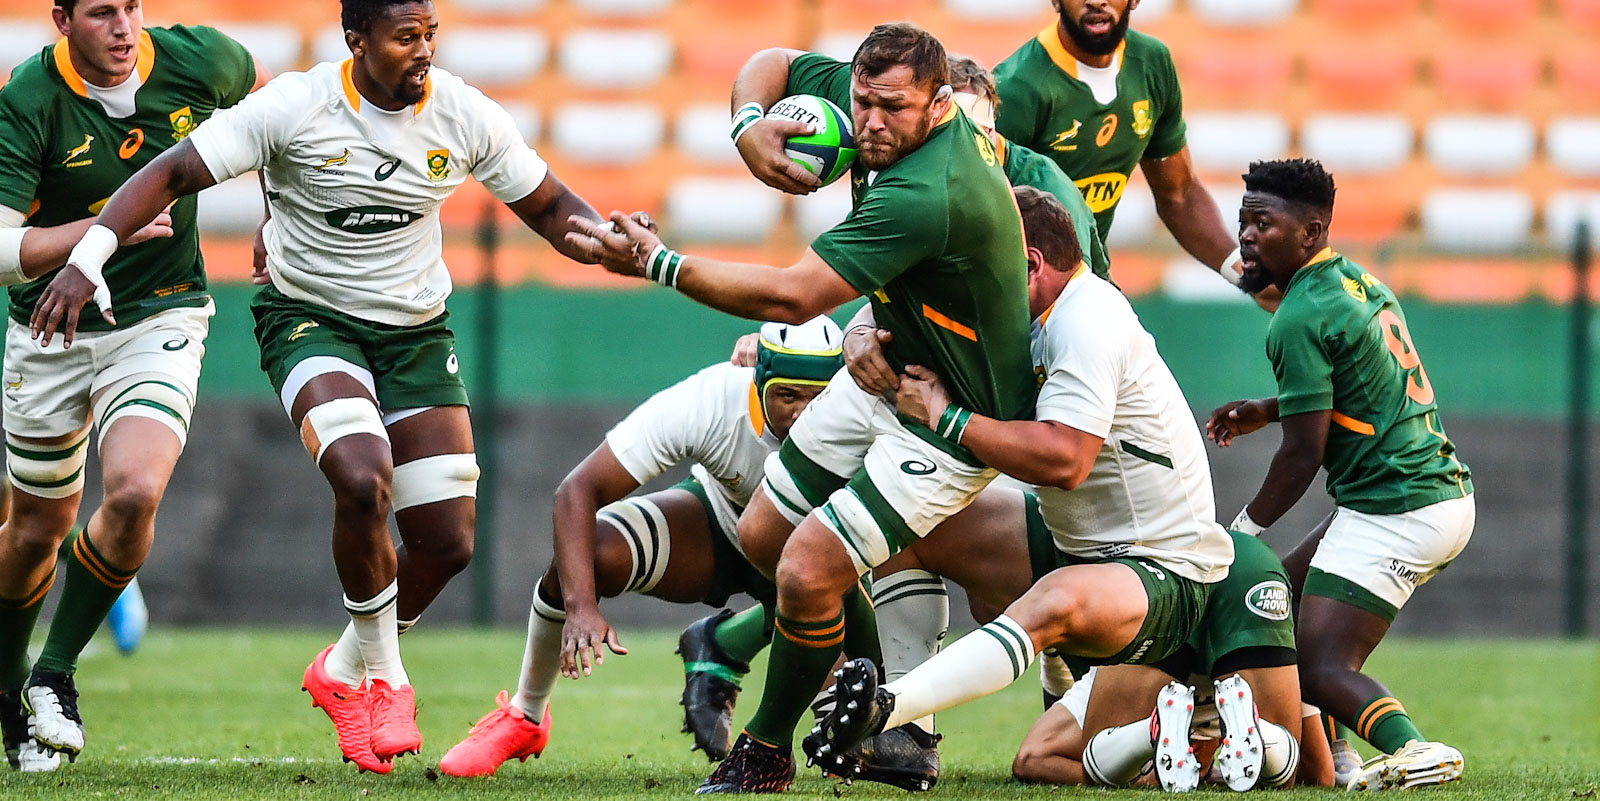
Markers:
(830, 149)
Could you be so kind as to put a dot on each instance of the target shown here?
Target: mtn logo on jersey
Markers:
(371, 219)
(438, 165)
(80, 150)
(183, 123)
(1102, 191)
(1269, 599)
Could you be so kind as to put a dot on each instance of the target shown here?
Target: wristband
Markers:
(663, 266)
(11, 256)
(953, 423)
(1244, 524)
(745, 118)
(90, 255)
(1231, 271)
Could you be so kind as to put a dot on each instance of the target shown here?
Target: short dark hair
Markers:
(1048, 228)
(67, 5)
(358, 15)
(966, 72)
(893, 44)
(1302, 181)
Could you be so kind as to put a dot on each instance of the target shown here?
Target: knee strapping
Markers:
(47, 471)
(151, 397)
(644, 528)
(330, 422)
(434, 478)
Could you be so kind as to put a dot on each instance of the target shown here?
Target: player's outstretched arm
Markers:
(1240, 417)
(44, 249)
(1294, 466)
(598, 480)
(763, 81)
(1041, 452)
(1191, 214)
(176, 173)
(548, 212)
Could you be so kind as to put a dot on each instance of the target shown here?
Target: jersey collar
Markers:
(347, 77)
(144, 62)
(1323, 255)
(1050, 38)
(758, 420)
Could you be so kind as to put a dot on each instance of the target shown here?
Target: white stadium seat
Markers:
(1573, 144)
(1561, 215)
(1479, 144)
(615, 59)
(493, 55)
(841, 45)
(1357, 143)
(622, 8)
(1136, 217)
(1461, 220)
(499, 6)
(24, 39)
(701, 133)
(527, 118)
(1151, 11)
(722, 209)
(999, 10)
(276, 46)
(329, 45)
(1237, 13)
(608, 133)
(822, 209)
(1230, 141)
(1187, 279)
(232, 207)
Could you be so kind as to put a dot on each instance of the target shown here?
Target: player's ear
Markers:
(62, 19)
(356, 42)
(1313, 231)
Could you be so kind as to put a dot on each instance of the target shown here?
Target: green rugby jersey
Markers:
(1046, 108)
(935, 241)
(1339, 343)
(1023, 167)
(62, 156)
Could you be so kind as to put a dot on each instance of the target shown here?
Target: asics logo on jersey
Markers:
(1060, 143)
(371, 219)
(385, 169)
(175, 344)
(452, 365)
(132, 144)
(337, 161)
(303, 329)
(79, 151)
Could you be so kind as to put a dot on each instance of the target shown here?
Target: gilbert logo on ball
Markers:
(831, 147)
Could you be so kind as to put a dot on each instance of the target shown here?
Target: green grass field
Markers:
(204, 714)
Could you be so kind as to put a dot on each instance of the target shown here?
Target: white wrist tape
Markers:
(11, 256)
(1245, 525)
(1231, 268)
(90, 256)
(745, 118)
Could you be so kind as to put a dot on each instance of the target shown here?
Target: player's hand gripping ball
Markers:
(831, 147)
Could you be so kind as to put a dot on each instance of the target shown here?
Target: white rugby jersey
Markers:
(355, 223)
(1149, 492)
(712, 418)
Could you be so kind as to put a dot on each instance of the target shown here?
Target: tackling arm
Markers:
(548, 212)
(598, 480)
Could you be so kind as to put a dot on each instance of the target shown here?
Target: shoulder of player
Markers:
(1091, 310)
(1147, 48)
(31, 85)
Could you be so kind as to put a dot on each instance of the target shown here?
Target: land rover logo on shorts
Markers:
(438, 165)
(452, 365)
(917, 467)
(175, 344)
(371, 219)
(1269, 599)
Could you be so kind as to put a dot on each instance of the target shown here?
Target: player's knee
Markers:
(360, 488)
(36, 538)
(1027, 765)
(804, 583)
(1053, 609)
(760, 544)
(133, 497)
(452, 554)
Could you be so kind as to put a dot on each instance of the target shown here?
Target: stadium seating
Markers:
(608, 133)
(494, 56)
(1565, 209)
(701, 133)
(1363, 143)
(1479, 144)
(1470, 220)
(24, 38)
(1230, 141)
(1244, 13)
(722, 210)
(232, 207)
(276, 45)
(605, 58)
(1573, 144)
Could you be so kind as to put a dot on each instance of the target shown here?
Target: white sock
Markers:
(541, 658)
(1116, 756)
(403, 626)
(344, 663)
(1054, 675)
(1280, 761)
(983, 662)
(913, 613)
(374, 623)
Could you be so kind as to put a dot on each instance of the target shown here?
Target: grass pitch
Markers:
(204, 714)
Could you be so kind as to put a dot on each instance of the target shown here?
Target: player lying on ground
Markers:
(678, 544)
(353, 328)
(935, 241)
(1353, 398)
(1123, 486)
(76, 120)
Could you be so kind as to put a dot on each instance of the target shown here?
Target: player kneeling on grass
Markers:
(1254, 722)
(1124, 490)
(679, 544)
(1353, 398)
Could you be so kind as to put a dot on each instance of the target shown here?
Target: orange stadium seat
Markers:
(1371, 209)
(1498, 16)
(864, 14)
(1585, 13)
(498, 7)
(1577, 74)
(1486, 76)
(1364, 13)
(622, 8)
(1225, 75)
(1350, 75)
(716, 37)
(988, 43)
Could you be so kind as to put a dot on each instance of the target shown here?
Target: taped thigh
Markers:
(154, 396)
(47, 471)
(330, 422)
(644, 528)
(434, 478)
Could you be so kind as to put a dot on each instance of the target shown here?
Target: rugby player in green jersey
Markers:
(1099, 99)
(1353, 398)
(935, 240)
(76, 121)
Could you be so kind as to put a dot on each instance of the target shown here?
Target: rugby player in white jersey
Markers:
(353, 329)
(679, 544)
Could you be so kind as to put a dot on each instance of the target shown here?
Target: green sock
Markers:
(861, 627)
(1385, 724)
(746, 634)
(17, 619)
(92, 586)
(802, 654)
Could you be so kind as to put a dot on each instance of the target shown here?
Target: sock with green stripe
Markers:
(17, 619)
(91, 587)
(803, 652)
(745, 634)
(913, 615)
(1383, 722)
(983, 662)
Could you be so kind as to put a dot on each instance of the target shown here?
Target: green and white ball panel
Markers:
(831, 147)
